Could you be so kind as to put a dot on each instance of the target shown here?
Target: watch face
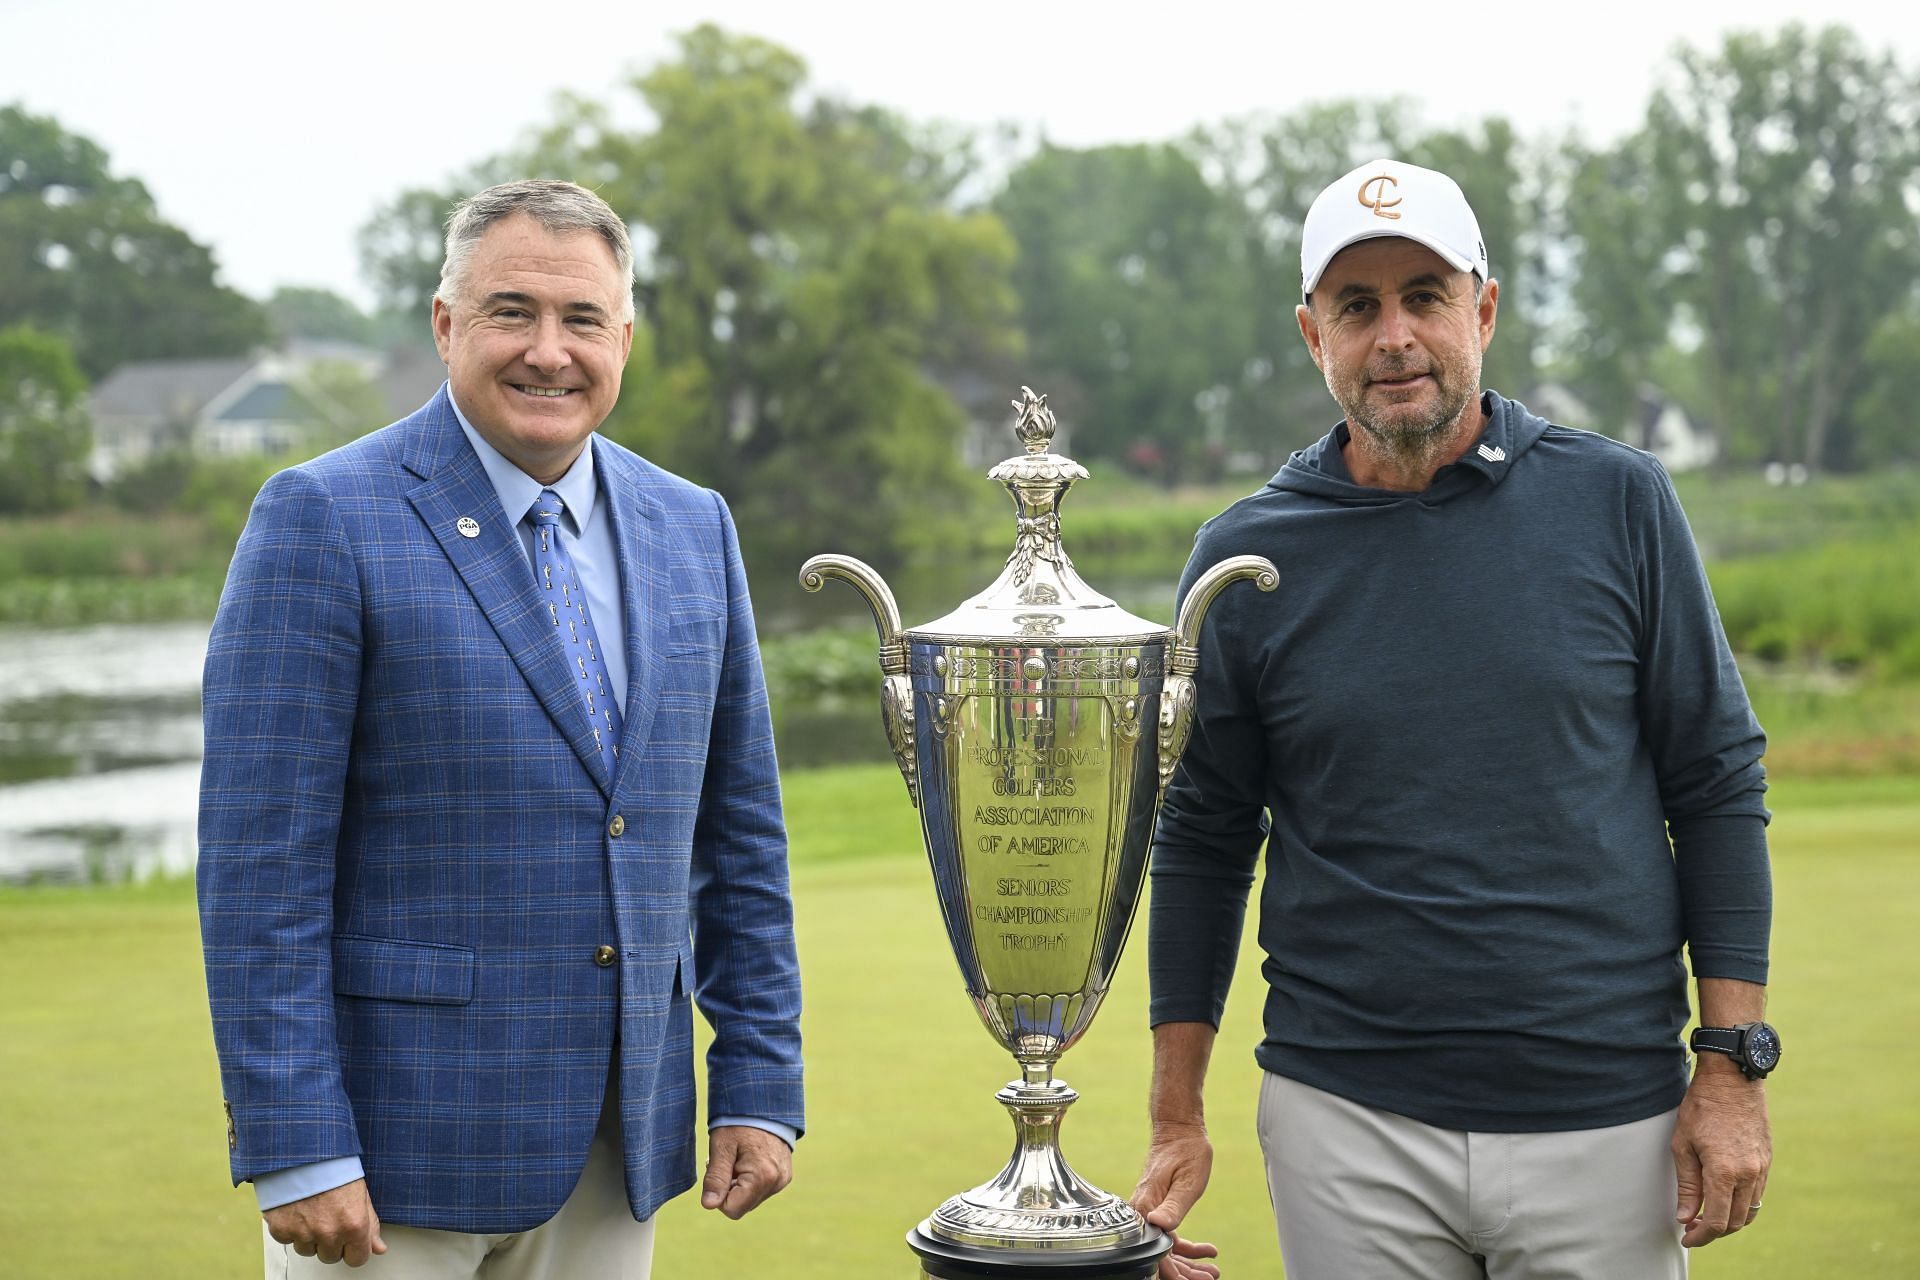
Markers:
(1763, 1047)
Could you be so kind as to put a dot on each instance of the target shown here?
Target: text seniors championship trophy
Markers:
(1037, 725)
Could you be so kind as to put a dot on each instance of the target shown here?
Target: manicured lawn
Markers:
(112, 1152)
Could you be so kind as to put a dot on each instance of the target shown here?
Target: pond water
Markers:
(99, 751)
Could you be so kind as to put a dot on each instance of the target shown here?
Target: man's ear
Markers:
(1489, 304)
(442, 327)
(1310, 330)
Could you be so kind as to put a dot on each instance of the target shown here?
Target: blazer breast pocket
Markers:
(395, 969)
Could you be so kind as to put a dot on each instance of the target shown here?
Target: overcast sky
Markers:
(272, 131)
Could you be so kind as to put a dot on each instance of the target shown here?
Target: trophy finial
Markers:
(1035, 424)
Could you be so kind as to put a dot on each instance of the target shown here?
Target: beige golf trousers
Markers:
(1364, 1193)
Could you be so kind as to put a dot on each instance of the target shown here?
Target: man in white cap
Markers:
(1493, 738)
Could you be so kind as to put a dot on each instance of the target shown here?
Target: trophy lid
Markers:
(1038, 598)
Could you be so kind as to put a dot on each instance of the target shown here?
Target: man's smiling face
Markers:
(535, 341)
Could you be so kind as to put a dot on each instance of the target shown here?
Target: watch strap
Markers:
(1717, 1040)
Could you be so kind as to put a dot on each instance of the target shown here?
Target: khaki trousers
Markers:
(1364, 1193)
(592, 1237)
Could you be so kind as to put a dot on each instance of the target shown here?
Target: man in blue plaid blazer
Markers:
(453, 905)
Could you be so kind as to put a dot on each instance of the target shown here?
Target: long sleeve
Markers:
(281, 688)
(1706, 748)
(747, 972)
(1211, 827)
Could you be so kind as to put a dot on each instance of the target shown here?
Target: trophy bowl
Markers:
(1036, 727)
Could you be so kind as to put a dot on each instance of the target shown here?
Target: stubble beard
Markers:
(1408, 441)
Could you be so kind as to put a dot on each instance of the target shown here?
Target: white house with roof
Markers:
(258, 404)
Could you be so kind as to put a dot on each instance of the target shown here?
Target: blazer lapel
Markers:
(644, 595)
(455, 490)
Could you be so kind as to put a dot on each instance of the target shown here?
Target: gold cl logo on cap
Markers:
(1373, 194)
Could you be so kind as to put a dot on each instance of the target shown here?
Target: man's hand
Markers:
(745, 1165)
(334, 1226)
(1178, 1165)
(1722, 1149)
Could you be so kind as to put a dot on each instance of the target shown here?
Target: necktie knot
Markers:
(546, 508)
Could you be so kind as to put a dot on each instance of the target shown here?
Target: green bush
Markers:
(1771, 642)
(1904, 662)
(818, 666)
(154, 483)
(105, 544)
(69, 602)
(1853, 602)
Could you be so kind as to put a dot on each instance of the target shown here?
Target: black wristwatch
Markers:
(1754, 1046)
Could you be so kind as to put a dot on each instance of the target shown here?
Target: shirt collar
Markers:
(517, 489)
(1492, 452)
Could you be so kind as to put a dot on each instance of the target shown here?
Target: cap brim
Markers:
(1456, 260)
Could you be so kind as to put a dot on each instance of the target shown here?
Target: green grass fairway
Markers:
(113, 1141)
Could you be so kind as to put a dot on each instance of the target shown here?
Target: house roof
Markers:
(270, 402)
(166, 389)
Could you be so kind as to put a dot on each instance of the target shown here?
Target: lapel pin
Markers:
(468, 527)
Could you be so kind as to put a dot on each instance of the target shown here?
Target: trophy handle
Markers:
(1176, 696)
(896, 689)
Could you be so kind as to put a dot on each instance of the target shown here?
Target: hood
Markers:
(1320, 471)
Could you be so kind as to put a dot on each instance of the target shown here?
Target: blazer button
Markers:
(618, 827)
(604, 956)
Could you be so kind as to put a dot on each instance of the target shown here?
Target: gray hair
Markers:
(560, 207)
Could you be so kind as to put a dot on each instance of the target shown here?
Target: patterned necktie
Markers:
(567, 606)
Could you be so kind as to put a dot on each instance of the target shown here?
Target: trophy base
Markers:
(945, 1260)
(1037, 1203)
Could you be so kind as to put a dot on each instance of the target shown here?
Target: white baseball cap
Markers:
(1389, 198)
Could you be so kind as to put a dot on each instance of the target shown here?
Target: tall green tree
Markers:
(300, 311)
(45, 435)
(401, 247)
(1776, 180)
(84, 254)
(1133, 281)
(1615, 335)
(1880, 426)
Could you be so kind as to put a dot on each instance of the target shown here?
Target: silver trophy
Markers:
(1037, 726)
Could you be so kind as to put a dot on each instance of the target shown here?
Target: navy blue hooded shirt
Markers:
(1504, 767)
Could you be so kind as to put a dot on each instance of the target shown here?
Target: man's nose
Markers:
(1393, 333)
(547, 349)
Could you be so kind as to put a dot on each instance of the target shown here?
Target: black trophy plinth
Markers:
(942, 1260)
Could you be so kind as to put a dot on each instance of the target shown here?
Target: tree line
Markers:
(821, 282)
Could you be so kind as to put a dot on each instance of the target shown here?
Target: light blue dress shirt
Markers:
(589, 533)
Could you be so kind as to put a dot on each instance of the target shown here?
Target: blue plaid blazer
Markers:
(407, 863)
